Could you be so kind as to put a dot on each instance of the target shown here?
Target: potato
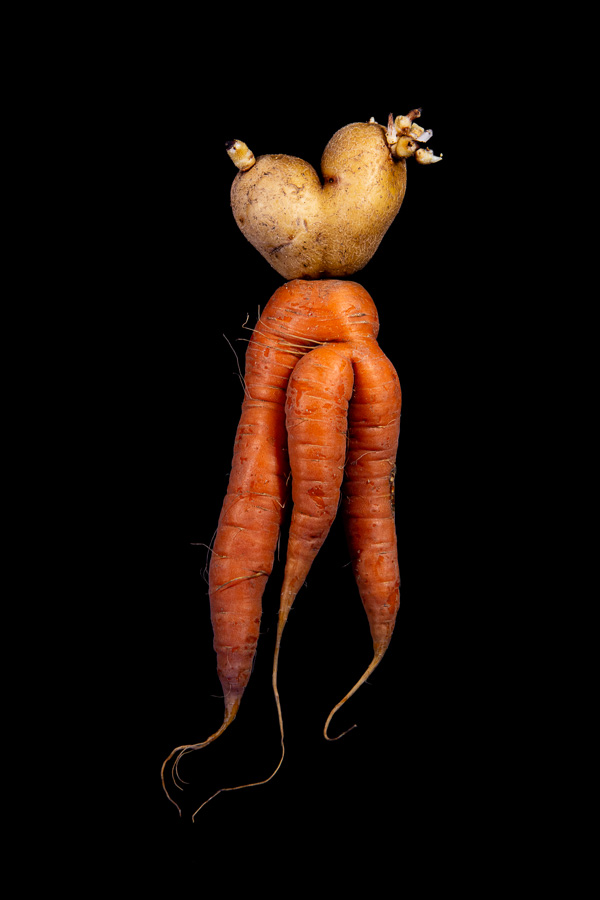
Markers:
(278, 207)
(306, 228)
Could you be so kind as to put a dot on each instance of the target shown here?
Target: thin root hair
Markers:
(239, 371)
(210, 550)
(239, 787)
(302, 343)
(284, 346)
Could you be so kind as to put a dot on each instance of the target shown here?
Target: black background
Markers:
(175, 282)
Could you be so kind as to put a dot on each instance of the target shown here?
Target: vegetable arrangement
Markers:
(321, 401)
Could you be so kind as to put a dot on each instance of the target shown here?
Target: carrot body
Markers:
(244, 546)
(316, 419)
(324, 332)
(317, 447)
(368, 503)
(299, 316)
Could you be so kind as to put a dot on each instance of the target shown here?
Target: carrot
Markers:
(368, 501)
(316, 418)
(368, 504)
(314, 344)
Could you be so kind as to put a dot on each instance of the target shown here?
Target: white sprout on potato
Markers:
(404, 136)
(240, 154)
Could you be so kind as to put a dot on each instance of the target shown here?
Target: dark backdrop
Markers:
(177, 283)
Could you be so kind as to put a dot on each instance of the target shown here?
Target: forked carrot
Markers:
(313, 356)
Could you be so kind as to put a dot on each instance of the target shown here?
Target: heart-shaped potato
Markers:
(306, 227)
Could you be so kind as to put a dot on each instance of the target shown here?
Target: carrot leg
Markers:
(249, 525)
(316, 419)
(368, 497)
(245, 543)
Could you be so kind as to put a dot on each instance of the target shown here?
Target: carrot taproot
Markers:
(318, 395)
(331, 327)
(368, 484)
(249, 523)
(368, 504)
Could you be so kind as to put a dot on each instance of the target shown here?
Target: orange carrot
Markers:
(331, 327)
(316, 419)
(368, 502)
(317, 457)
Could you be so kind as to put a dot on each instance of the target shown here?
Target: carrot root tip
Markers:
(327, 738)
(230, 714)
(379, 652)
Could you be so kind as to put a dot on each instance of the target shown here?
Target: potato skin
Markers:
(363, 190)
(277, 206)
(308, 229)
